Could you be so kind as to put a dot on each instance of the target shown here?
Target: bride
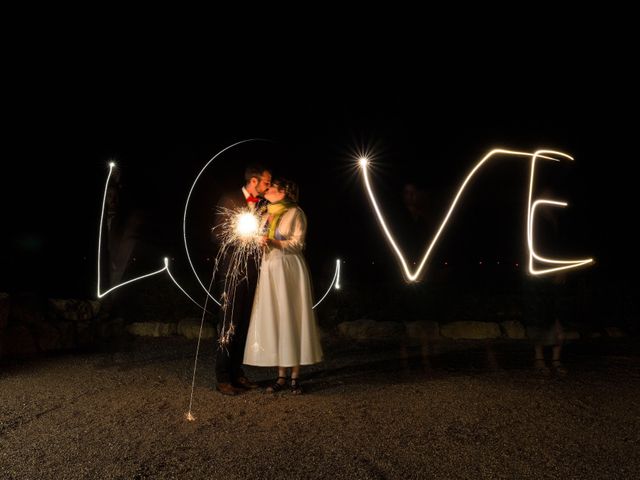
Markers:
(283, 330)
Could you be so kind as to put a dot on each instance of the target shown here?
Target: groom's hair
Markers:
(254, 170)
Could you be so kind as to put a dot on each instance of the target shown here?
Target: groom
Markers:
(230, 378)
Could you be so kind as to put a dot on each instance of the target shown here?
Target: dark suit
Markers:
(229, 359)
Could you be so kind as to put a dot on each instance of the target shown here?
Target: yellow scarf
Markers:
(275, 211)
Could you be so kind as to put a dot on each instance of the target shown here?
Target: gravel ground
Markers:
(470, 410)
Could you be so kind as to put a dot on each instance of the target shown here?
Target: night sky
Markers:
(161, 121)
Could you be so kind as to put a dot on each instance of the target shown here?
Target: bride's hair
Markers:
(290, 188)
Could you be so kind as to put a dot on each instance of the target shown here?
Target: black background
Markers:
(426, 114)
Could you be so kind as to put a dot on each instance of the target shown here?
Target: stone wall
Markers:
(31, 325)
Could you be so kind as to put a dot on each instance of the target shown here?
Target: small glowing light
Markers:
(247, 225)
(363, 161)
(190, 418)
(112, 164)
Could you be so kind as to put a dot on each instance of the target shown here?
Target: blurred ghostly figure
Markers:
(123, 229)
(121, 234)
(543, 298)
(414, 226)
(545, 305)
(412, 199)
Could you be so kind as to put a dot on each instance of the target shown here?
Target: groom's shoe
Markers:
(228, 389)
(244, 382)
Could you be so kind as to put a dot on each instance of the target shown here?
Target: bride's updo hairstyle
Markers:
(290, 188)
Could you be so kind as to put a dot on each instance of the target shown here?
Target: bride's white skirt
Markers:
(283, 330)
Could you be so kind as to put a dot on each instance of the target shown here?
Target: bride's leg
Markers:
(295, 382)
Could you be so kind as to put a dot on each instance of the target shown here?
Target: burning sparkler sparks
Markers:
(239, 236)
(246, 225)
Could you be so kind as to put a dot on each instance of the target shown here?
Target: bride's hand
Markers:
(263, 241)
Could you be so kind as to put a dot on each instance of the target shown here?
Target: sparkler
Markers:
(239, 234)
(540, 154)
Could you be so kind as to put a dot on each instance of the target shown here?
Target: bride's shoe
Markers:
(277, 386)
(296, 388)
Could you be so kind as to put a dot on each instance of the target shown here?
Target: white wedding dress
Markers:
(283, 330)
